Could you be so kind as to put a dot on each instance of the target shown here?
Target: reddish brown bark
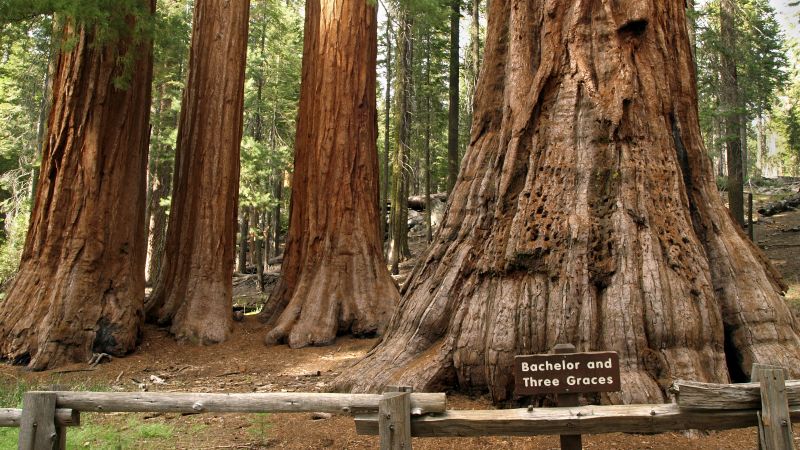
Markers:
(80, 286)
(194, 290)
(585, 213)
(334, 279)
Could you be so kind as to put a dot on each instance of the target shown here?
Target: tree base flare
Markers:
(345, 295)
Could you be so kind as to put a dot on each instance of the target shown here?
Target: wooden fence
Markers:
(771, 403)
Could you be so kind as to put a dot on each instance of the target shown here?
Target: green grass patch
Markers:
(130, 433)
(97, 431)
(259, 427)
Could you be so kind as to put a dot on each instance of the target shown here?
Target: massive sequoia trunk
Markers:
(194, 289)
(334, 279)
(80, 286)
(585, 213)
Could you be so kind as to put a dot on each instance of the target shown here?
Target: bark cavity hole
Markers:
(635, 27)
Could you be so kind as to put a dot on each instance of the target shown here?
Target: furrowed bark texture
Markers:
(194, 290)
(334, 278)
(80, 286)
(585, 213)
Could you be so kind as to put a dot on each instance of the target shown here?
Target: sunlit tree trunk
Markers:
(334, 279)
(80, 286)
(194, 291)
(585, 213)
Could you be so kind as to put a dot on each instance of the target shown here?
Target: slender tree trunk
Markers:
(333, 278)
(745, 152)
(258, 249)
(453, 111)
(691, 26)
(244, 232)
(429, 119)
(159, 187)
(762, 147)
(276, 226)
(44, 107)
(267, 238)
(398, 216)
(720, 145)
(194, 290)
(80, 286)
(253, 237)
(386, 132)
(586, 213)
(729, 106)
(474, 57)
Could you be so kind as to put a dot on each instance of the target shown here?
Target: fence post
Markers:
(774, 422)
(394, 419)
(61, 432)
(568, 441)
(38, 424)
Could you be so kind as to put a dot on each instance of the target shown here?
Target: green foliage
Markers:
(11, 247)
(260, 427)
(272, 91)
(761, 64)
(96, 431)
(111, 18)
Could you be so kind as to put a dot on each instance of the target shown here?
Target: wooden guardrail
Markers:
(45, 414)
(771, 403)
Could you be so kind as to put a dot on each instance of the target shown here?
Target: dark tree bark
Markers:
(729, 103)
(453, 91)
(80, 286)
(585, 213)
(193, 293)
(398, 216)
(334, 278)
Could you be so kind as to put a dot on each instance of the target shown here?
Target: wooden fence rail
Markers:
(571, 420)
(187, 403)
(11, 417)
(771, 404)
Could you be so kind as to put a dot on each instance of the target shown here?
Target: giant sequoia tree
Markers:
(334, 278)
(586, 212)
(80, 286)
(194, 289)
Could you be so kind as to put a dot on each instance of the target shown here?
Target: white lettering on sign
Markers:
(600, 364)
(550, 366)
(567, 373)
(587, 381)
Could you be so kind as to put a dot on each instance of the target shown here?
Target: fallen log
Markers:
(788, 204)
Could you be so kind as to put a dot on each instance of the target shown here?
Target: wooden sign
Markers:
(566, 373)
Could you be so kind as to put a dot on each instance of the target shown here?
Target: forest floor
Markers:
(244, 364)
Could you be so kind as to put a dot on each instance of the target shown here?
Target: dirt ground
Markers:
(244, 364)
